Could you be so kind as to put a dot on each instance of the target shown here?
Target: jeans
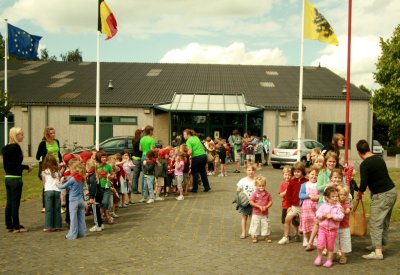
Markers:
(14, 191)
(135, 176)
(77, 227)
(53, 218)
(148, 181)
(199, 168)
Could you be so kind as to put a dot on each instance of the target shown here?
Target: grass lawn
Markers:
(32, 185)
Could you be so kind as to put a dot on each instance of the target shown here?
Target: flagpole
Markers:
(98, 92)
(346, 137)
(6, 81)
(299, 123)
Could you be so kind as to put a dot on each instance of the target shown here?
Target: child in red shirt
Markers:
(293, 200)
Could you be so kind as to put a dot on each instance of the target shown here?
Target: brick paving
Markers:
(199, 235)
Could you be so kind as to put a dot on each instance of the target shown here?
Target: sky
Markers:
(258, 32)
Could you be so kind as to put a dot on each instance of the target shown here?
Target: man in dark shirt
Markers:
(374, 175)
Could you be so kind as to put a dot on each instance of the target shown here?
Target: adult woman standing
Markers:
(199, 160)
(374, 175)
(335, 146)
(12, 159)
(136, 157)
(48, 145)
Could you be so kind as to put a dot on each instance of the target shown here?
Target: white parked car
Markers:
(377, 148)
(286, 152)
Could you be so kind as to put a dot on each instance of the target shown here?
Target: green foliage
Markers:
(386, 100)
(72, 56)
(5, 109)
(392, 151)
(45, 55)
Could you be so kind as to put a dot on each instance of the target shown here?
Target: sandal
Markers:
(268, 240)
(243, 236)
(309, 247)
(342, 260)
(20, 230)
(254, 239)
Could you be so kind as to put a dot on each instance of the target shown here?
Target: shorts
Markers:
(238, 155)
(223, 160)
(250, 158)
(295, 221)
(245, 211)
(257, 158)
(160, 181)
(259, 226)
(294, 211)
(343, 240)
(186, 178)
(105, 202)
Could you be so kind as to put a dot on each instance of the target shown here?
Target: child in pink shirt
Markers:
(179, 165)
(329, 215)
(260, 200)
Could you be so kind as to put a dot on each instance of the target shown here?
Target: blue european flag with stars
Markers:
(22, 44)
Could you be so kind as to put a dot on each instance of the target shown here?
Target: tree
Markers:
(45, 55)
(72, 56)
(5, 109)
(386, 100)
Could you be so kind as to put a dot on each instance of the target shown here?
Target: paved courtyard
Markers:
(199, 235)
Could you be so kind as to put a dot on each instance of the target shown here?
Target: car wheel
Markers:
(276, 166)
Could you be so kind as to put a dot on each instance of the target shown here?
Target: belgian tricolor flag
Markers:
(106, 20)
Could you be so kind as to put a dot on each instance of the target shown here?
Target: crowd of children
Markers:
(101, 184)
(316, 202)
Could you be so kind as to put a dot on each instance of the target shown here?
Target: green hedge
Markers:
(392, 151)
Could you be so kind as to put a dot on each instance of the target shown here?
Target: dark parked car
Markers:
(286, 152)
(112, 145)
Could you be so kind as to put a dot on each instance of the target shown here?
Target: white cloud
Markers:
(233, 54)
(364, 54)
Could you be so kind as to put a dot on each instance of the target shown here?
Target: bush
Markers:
(392, 151)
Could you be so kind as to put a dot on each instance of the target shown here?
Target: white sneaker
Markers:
(102, 226)
(226, 174)
(180, 198)
(95, 229)
(220, 175)
(284, 240)
(158, 199)
(150, 201)
(112, 214)
(143, 200)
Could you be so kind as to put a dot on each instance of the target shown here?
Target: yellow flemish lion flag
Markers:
(106, 20)
(316, 27)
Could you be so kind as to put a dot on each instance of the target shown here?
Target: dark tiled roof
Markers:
(44, 83)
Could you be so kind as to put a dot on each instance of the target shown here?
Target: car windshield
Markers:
(289, 144)
(376, 143)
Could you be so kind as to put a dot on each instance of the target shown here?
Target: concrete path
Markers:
(199, 235)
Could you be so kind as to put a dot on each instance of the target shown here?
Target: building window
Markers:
(326, 131)
(78, 120)
(132, 120)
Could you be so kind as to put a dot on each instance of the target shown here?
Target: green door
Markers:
(106, 131)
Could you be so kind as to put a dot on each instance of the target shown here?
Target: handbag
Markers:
(210, 157)
(358, 221)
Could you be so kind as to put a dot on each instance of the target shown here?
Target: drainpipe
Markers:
(29, 130)
(46, 115)
(276, 127)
